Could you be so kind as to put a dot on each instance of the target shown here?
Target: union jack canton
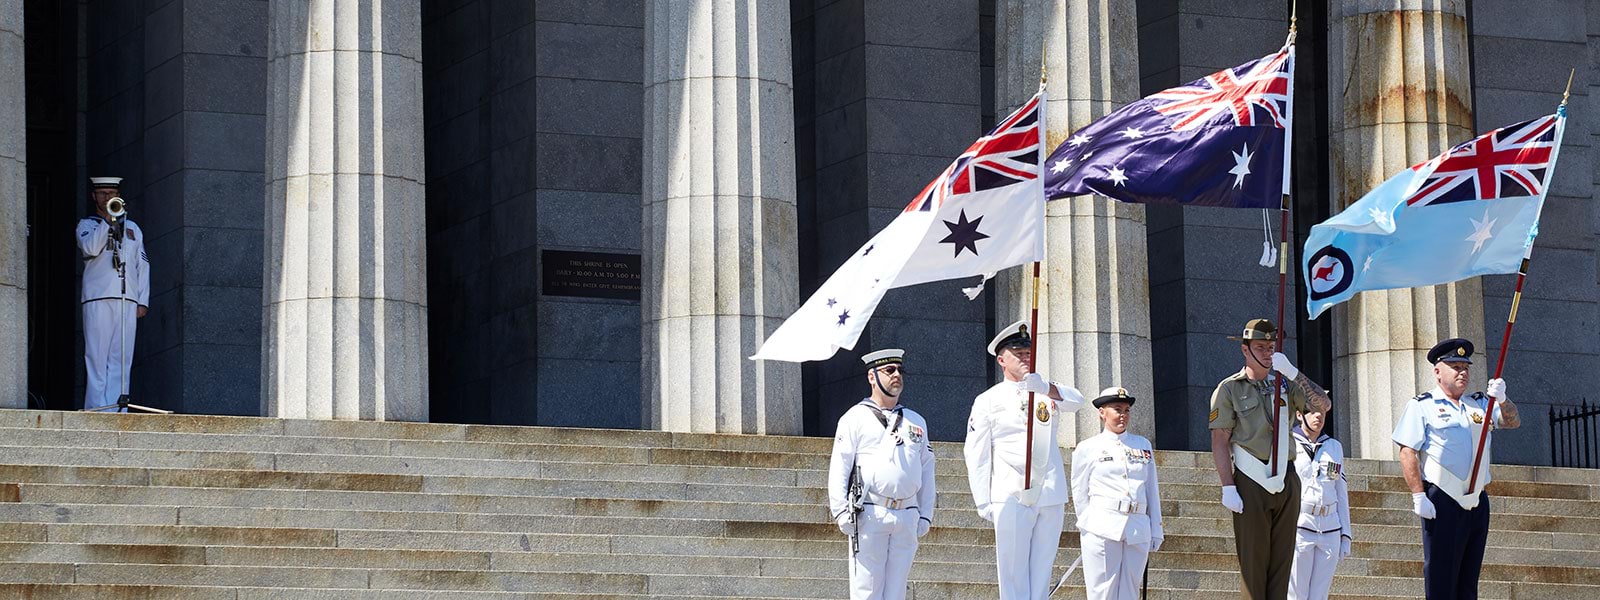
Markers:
(1215, 141)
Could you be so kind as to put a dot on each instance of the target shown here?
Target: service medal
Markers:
(1043, 413)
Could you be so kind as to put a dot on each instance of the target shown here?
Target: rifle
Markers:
(854, 499)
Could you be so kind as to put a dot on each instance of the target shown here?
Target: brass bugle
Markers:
(116, 207)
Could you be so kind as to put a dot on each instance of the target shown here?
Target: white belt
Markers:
(889, 503)
(1257, 471)
(1317, 510)
(1124, 506)
(1453, 486)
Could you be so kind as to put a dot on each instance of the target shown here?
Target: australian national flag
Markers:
(1216, 141)
(983, 213)
(1473, 210)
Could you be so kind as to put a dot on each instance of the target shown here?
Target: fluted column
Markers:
(345, 317)
(720, 258)
(13, 213)
(1094, 309)
(1401, 92)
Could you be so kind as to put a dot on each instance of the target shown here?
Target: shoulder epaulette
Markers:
(1424, 396)
(1477, 395)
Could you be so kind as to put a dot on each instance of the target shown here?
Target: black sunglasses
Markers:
(892, 369)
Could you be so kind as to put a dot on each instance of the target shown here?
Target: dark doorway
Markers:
(55, 200)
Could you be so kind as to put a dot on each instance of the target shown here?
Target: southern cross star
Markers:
(1060, 165)
(1132, 133)
(1480, 231)
(964, 234)
(1117, 175)
(1078, 140)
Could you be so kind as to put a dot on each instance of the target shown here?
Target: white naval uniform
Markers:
(897, 468)
(1119, 512)
(110, 306)
(1324, 515)
(1026, 534)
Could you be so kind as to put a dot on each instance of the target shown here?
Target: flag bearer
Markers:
(1323, 534)
(1437, 436)
(1027, 522)
(1118, 502)
(1243, 441)
(889, 445)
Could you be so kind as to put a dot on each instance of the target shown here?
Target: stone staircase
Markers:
(190, 507)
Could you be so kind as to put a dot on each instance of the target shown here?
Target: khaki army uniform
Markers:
(1264, 533)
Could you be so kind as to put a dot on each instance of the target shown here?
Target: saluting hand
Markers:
(1035, 383)
(1497, 389)
(1281, 364)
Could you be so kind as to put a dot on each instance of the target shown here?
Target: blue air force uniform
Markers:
(1445, 433)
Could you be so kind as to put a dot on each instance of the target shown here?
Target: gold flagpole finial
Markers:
(1568, 91)
(1044, 60)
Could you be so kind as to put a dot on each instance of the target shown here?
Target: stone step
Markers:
(1532, 514)
(740, 444)
(1563, 549)
(72, 591)
(823, 567)
(552, 467)
(551, 581)
(759, 540)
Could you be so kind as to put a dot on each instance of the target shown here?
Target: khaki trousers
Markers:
(1264, 536)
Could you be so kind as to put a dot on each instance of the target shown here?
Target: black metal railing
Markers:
(1575, 436)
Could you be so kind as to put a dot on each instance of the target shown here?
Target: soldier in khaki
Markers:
(1258, 478)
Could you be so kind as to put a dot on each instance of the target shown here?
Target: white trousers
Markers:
(1316, 557)
(888, 539)
(1112, 570)
(1025, 543)
(105, 356)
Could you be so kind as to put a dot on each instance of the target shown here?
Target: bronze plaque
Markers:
(590, 274)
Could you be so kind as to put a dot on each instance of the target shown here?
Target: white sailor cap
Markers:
(1014, 335)
(1113, 394)
(889, 356)
(102, 182)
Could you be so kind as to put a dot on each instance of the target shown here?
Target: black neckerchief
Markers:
(899, 416)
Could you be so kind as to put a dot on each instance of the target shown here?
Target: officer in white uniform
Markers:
(116, 293)
(1438, 436)
(889, 444)
(1323, 534)
(1118, 502)
(1026, 500)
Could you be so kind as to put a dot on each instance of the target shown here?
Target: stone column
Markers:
(1094, 308)
(1401, 92)
(345, 319)
(13, 213)
(720, 262)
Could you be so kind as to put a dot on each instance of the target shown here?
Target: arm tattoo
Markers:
(1316, 397)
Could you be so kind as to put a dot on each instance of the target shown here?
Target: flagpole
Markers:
(1283, 250)
(1516, 299)
(1033, 317)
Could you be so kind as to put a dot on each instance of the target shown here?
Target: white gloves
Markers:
(989, 511)
(1421, 505)
(1231, 499)
(1035, 383)
(1155, 543)
(922, 527)
(1497, 389)
(1344, 547)
(1281, 364)
(844, 523)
